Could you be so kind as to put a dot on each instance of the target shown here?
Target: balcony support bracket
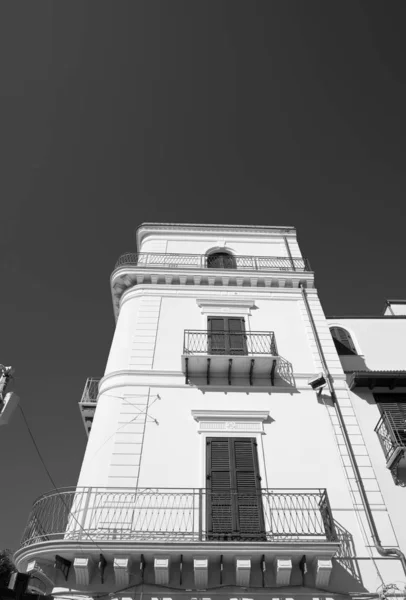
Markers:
(122, 571)
(252, 369)
(243, 571)
(230, 364)
(208, 371)
(186, 370)
(273, 373)
(83, 570)
(161, 568)
(323, 569)
(283, 568)
(201, 571)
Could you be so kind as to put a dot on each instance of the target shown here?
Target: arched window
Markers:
(343, 341)
(221, 260)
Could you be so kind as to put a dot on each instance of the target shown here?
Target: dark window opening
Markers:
(233, 494)
(227, 336)
(221, 260)
(343, 341)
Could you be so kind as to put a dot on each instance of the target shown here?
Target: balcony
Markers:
(240, 356)
(87, 403)
(163, 529)
(391, 431)
(179, 515)
(198, 269)
(152, 260)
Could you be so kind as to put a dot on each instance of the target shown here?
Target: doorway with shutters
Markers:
(226, 335)
(234, 509)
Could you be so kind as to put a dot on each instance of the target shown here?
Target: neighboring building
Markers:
(226, 454)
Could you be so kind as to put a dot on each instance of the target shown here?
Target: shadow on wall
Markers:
(284, 381)
(344, 556)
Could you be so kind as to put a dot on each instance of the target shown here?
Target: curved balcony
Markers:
(153, 260)
(175, 515)
(136, 268)
(75, 529)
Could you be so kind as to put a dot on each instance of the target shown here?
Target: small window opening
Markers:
(343, 341)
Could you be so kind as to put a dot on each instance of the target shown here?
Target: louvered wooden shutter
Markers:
(220, 518)
(236, 336)
(248, 500)
(234, 504)
(343, 341)
(217, 335)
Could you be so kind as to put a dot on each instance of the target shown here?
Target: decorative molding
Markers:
(283, 568)
(121, 567)
(83, 570)
(230, 415)
(197, 230)
(242, 571)
(230, 305)
(201, 571)
(239, 421)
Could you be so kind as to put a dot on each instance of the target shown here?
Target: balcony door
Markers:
(227, 335)
(233, 493)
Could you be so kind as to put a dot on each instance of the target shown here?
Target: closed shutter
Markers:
(236, 335)
(234, 502)
(227, 335)
(343, 341)
(217, 335)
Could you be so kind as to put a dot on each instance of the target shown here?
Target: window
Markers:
(233, 492)
(226, 335)
(221, 260)
(343, 341)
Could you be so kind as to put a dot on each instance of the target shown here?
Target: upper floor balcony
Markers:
(391, 431)
(217, 268)
(87, 403)
(229, 354)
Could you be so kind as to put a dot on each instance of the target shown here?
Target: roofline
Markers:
(395, 301)
(176, 227)
(366, 317)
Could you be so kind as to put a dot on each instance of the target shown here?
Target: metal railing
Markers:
(179, 515)
(202, 261)
(229, 343)
(91, 390)
(391, 431)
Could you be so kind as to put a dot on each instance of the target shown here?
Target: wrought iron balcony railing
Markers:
(180, 515)
(391, 431)
(237, 343)
(201, 261)
(91, 390)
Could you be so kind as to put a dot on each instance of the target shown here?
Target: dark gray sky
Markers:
(279, 112)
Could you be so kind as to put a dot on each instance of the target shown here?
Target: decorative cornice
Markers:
(196, 229)
(230, 415)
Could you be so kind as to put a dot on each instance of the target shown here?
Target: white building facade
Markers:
(213, 468)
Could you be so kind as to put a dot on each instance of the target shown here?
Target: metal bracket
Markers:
(208, 371)
(230, 364)
(273, 373)
(252, 369)
(101, 565)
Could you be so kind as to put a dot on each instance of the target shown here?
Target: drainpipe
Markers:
(371, 522)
